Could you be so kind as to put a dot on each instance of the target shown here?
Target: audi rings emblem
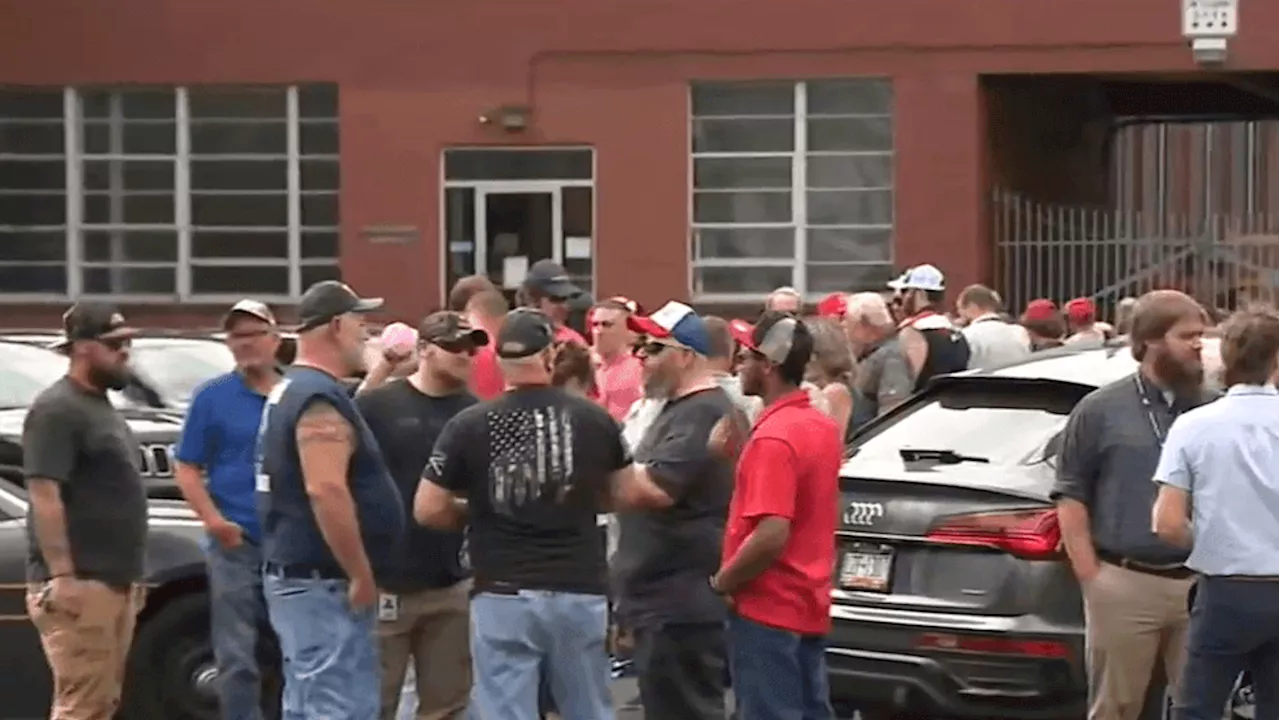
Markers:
(863, 513)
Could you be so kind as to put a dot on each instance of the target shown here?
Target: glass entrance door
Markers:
(515, 228)
(507, 208)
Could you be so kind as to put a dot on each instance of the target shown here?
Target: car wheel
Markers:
(171, 671)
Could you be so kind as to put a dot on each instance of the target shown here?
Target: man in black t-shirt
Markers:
(87, 520)
(666, 554)
(531, 469)
(423, 599)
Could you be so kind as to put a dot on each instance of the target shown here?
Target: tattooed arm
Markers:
(325, 444)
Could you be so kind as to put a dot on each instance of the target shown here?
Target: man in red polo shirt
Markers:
(779, 545)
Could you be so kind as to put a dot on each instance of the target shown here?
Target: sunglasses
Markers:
(248, 334)
(651, 348)
(116, 344)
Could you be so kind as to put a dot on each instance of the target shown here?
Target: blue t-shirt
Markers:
(219, 435)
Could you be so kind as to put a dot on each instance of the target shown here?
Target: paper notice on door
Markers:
(577, 248)
(514, 268)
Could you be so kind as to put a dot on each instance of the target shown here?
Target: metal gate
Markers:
(1194, 208)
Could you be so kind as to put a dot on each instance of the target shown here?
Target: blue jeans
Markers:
(238, 614)
(330, 653)
(777, 675)
(516, 638)
(1233, 628)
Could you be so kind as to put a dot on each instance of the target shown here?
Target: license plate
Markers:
(866, 569)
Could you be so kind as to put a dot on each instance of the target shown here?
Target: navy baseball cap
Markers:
(525, 332)
(551, 280)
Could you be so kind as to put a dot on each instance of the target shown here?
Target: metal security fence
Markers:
(1060, 252)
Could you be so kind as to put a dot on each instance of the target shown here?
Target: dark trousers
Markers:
(1234, 627)
(681, 671)
(777, 675)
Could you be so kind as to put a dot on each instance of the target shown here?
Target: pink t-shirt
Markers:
(620, 383)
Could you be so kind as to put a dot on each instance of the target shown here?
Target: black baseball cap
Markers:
(524, 332)
(446, 327)
(249, 308)
(92, 321)
(551, 280)
(329, 299)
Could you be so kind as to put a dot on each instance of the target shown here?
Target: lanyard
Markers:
(1149, 407)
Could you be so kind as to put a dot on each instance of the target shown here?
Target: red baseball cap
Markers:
(1081, 310)
(1040, 309)
(833, 306)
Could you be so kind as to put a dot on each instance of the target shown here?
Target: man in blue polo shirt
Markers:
(215, 472)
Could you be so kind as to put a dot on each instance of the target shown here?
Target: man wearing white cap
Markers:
(215, 473)
(932, 344)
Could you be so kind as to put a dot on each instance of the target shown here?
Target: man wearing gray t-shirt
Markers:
(87, 521)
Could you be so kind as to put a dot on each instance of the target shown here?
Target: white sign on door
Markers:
(1210, 18)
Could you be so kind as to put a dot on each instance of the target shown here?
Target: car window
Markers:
(1002, 421)
(177, 368)
(25, 371)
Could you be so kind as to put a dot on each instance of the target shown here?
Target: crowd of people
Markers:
(504, 498)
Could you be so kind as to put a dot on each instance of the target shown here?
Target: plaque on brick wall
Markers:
(390, 234)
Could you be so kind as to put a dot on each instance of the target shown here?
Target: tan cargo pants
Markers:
(86, 651)
(431, 628)
(1133, 620)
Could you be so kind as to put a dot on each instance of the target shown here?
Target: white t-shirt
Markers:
(994, 343)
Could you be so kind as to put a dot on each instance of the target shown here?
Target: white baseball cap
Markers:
(920, 277)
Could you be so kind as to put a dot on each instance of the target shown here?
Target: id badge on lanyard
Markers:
(1149, 407)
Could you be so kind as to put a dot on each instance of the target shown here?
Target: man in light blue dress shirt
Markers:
(1219, 477)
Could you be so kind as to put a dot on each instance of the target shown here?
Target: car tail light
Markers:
(992, 645)
(1029, 534)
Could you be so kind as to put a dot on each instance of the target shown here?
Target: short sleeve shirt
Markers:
(75, 438)
(789, 468)
(535, 466)
(665, 556)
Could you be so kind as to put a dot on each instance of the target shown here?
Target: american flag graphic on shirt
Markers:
(531, 457)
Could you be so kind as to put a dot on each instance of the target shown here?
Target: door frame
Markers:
(485, 188)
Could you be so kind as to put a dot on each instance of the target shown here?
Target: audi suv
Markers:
(952, 595)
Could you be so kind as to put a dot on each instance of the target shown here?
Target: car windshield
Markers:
(25, 371)
(1003, 422)
(175, 368)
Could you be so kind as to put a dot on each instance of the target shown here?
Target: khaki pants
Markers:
(1132, 621)
(432, 628)
(87, 651)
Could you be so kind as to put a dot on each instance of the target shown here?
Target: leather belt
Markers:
(290, 571)
(1174, 571)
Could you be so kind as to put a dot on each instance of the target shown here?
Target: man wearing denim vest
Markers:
(331, 516)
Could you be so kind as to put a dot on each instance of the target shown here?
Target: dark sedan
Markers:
(170, 669)
(952, 595)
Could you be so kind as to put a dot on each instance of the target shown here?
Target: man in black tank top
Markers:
(932, 343)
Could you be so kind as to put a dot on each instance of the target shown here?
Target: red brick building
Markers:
(904, 179)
